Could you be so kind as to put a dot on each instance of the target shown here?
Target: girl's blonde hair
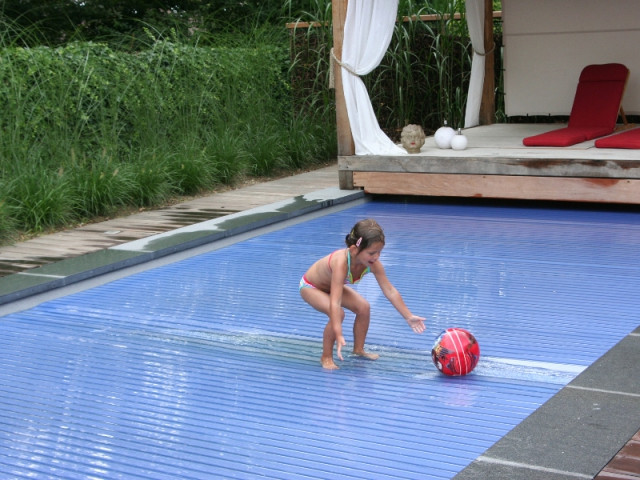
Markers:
(365, 233)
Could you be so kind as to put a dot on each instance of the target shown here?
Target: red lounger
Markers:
(628, 139)
(595, 107)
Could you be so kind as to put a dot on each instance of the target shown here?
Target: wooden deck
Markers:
(93, 237)
(497, 165)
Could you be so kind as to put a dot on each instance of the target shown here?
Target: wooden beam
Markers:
(487, 104)
(604, 190)
(345, 138)
(432, 17)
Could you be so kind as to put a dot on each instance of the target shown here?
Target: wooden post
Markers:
(345, 139)
(487, 104)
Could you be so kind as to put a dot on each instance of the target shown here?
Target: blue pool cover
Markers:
(209, 367)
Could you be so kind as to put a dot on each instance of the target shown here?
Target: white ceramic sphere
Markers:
(459, 142)
(443, 136)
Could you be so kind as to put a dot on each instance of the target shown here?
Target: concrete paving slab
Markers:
(65, 272)
(616, 371)
(573, 435)
(578, 431)
(197, 234)
(504, 470)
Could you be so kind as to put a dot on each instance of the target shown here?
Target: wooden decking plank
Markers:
(501, 186)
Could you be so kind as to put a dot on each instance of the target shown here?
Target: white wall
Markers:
(547, 43)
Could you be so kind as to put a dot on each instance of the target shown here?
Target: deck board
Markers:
(501, 186)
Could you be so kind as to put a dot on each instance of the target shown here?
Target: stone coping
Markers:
(77, 268)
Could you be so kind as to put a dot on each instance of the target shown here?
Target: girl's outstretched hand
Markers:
(416, 323)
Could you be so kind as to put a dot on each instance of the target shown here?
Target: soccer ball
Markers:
(455, 352)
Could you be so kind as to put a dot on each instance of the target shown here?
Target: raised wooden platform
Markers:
(497, 165)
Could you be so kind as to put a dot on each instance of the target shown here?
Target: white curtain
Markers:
(367, 33)
(475, 22)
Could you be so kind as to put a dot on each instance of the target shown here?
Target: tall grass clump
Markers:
(7, 218)
(311, 59)
(40, 198)
(100, 185)
(313, 124)
(424, 76)
(422, 79)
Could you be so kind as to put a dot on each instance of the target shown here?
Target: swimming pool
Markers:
(209, 367)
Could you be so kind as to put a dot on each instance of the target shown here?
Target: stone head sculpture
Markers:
(412, 138)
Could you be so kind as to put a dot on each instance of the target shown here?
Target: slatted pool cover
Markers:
(209, 367)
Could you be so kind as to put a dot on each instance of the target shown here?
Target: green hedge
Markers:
(84, 96)
(87, 129)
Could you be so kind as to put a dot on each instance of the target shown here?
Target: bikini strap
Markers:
(349, 275)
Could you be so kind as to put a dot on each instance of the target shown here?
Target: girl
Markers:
(324, 287)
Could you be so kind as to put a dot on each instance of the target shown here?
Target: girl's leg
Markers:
(320, 301)
(328, 342)
(361, 307)
(360, 329)
(354, 302)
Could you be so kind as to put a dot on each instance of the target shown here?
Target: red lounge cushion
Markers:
(628, 139)
(595, 107)
(598, 96)
(565, 137)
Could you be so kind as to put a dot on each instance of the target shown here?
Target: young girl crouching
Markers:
(325, 286)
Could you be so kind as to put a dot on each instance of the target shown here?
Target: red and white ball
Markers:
(455, 352)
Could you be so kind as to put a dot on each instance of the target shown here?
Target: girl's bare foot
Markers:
(370, 356)
(328, 363)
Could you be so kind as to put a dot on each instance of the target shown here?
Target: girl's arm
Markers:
(393, 295)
